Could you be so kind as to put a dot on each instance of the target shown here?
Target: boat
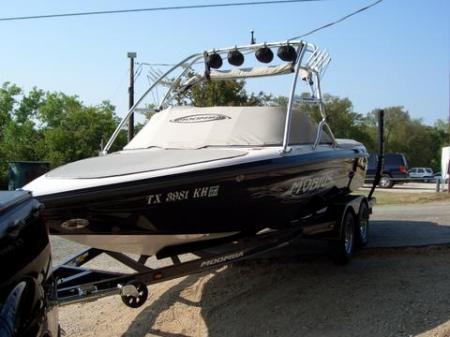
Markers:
(196, 174)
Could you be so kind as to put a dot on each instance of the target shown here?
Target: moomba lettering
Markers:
(200, 118)
(221, 259)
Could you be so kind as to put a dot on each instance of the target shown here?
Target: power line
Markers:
(337, 21)
(308, 33)
(153, 9)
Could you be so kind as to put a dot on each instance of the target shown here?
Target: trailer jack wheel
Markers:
(134, 294)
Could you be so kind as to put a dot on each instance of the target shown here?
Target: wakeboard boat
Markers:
(196, 173)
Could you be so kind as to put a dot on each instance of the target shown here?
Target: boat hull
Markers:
(142, 244)
(245, 197)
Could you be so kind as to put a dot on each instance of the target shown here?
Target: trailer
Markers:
(344, 224)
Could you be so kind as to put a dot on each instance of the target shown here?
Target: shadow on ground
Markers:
(381, 293)
(396, 233)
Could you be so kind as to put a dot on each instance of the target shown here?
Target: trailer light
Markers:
(157, 276)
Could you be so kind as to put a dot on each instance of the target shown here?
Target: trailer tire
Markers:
(343, 248)
(362, 226)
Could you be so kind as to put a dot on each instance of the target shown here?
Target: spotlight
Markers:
(214, 60)
(235, 57)
(264, 55)
(287, 53)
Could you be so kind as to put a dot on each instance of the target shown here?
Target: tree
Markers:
(79, 130)
(221, 93)
(52, 126)
(211, 93)
(59, 128)
(8, 100)
(420, 143)
(440, 137)
(8, 93)
(343, 121)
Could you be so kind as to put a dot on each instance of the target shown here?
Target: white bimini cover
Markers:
(251, 72)
(193, 128)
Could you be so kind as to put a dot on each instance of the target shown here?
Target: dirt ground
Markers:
(389, 292)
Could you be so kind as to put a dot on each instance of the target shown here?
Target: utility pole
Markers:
(131, 56)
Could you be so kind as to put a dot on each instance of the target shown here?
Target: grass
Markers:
(395, 198)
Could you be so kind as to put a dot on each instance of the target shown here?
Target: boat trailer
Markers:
(344, 223)
(75, 283)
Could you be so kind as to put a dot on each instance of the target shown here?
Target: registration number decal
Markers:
(181, 195)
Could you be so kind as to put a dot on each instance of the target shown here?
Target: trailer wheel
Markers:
(342, 249)
(386, 181)
(134, 294)
(362, 226)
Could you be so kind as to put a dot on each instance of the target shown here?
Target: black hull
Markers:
(245, 197)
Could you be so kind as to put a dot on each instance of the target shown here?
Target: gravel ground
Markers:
(382, 292)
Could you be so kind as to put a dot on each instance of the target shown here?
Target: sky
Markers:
(396, 53)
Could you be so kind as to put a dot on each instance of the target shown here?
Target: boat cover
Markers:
(137, 161)
(193, 128)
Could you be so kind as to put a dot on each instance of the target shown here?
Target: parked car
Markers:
(395, 169)
(423, 173)
(27, 292)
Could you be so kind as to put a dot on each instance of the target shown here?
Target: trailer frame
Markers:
(75, 283)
